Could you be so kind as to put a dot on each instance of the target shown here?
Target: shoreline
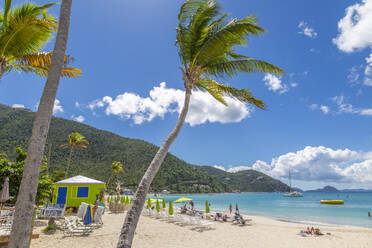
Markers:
(261, 232)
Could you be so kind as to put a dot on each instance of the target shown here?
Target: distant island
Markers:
(330, 189)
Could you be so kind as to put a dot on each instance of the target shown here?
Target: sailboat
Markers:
(291, 193)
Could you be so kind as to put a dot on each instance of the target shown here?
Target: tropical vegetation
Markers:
(14, 170)
(75, 140)
(24, 30)
(206, 42)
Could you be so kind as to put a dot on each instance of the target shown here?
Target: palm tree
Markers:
(205, 42)
(24, 209)
(116, 168)
(24, 30)
(75, 140)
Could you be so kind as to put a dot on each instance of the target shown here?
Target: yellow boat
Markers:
(338, 202)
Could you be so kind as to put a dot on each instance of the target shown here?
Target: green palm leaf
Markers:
(219, 90)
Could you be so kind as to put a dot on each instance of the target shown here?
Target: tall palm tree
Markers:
(75, 140)
(205, 42)
(24, 209)
(24, 30)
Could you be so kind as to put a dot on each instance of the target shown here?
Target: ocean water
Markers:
(305, 209)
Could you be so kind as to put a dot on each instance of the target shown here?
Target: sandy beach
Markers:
(261, 232)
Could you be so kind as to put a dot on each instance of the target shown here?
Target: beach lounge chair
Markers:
(73, 229)
(52, 210)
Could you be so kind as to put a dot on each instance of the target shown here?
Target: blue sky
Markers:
(318, 121)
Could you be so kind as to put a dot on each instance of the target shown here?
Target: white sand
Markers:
(263, 232)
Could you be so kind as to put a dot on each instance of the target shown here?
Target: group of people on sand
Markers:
(238, 218)
(311, 231)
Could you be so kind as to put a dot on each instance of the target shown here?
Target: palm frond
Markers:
(225, 38)
(220, 90)
(39, 64)
(7, 6)
(198, 27)
(211, 86)
(233, 67)
(188, 10)
(26, 31)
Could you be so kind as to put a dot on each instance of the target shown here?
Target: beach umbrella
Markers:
(207, 210)
(170, 208)
(157, 206)
(4, 196)
(183, 199)
(164, 206)
(88, 218)
(148, 203)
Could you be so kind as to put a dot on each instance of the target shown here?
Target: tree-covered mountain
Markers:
(247, 180)
(105, 147)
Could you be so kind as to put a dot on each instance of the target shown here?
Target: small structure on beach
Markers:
(75, 190)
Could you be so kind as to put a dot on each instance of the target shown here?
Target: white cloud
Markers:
(307, 30)
(162, 100)
(274, 83)
(313, 106)
(16, 105)
(324, 109)
(353, 76)
(79, 118)
(219, 167)
(355, 32)
(293, 85)
(318, 164)
(77, 105)
(368, 71)
(57, 107)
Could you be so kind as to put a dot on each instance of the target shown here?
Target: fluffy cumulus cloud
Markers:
(355, 33)
(16, 105)
(318, 164)
(307, 30)
(162, 100)
(275, 84)
(79, 118)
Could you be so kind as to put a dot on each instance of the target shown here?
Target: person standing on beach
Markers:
(237, 208)
(230, 208)
(369, 214)
(192, 204)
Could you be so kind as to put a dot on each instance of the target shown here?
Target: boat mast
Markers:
(290, 180)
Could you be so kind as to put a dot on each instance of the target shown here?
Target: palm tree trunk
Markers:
(21, 228)
(2, 67)
(69, 160)
(133, 214)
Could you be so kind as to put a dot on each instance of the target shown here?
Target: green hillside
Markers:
(247, 180)
(175, 175)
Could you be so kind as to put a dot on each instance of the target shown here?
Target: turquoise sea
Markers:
(305, 209)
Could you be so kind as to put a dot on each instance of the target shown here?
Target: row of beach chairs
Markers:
(6, 221)
(184, 219)
(52, 210)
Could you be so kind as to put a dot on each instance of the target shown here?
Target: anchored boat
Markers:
(335, 202)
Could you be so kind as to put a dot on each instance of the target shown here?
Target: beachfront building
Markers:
(75, 190)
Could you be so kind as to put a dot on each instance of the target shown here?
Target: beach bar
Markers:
(75, 190)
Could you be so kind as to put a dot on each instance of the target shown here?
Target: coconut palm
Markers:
(24, 209)
(205, 42)
(75, 140)
(116, 167)
(24, 30)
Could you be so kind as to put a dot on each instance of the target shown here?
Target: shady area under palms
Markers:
(206, 39)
